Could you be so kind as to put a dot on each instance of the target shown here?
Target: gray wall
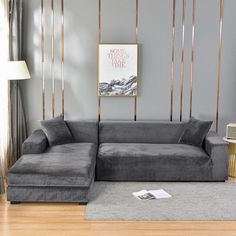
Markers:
(118, 25)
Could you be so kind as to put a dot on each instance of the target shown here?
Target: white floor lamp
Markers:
(16, 70)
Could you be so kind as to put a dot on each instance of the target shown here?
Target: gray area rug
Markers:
(190, 201)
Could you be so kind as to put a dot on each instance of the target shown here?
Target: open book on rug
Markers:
(151, 194)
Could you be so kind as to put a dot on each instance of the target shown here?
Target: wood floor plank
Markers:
(46, 219)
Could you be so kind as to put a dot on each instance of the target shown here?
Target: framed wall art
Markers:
(117, 69)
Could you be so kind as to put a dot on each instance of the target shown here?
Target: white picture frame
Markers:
(117, 69)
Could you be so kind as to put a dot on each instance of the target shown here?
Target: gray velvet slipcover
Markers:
(62, 173)
(150, 162)
(82, 131)
(48, 194)
(140, 131)
(36, 143)
(149, 151)
(61, 165)
(217, 149)
(141, 151)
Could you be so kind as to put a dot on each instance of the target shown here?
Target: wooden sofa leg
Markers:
(14, 203)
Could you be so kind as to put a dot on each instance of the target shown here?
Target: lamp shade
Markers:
(16, 70)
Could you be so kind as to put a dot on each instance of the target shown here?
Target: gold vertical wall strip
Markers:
(62, 59)
(52, 58)
(192, 58)
(172, 63)
(136, 41)
(99, 40)
(219, 63)
(42, 58)
(182, 60)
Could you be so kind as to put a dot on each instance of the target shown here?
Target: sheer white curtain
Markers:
(5, 119)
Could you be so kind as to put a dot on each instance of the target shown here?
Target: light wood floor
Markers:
(28, 219)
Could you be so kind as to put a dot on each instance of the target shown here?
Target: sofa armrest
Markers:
(36, 143)
(217, 149)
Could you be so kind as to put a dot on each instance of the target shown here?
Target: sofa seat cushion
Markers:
(62, 165)
(150, 162)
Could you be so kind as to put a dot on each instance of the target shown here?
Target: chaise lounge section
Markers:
(61, 173)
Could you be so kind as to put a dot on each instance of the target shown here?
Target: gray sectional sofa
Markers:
(112, 151)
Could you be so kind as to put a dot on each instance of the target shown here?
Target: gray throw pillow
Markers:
(57, 131)
(195, 132)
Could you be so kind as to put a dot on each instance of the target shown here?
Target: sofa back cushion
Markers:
(140, 131)
(84, 131)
